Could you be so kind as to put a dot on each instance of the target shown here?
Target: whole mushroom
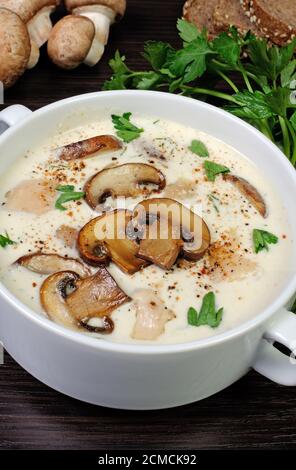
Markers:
(36, 15)
(72, 42)
(103, 13)
(15, 47)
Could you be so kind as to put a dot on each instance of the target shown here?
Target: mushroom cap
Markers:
(15, 47)
(119, 6)
(70, 41)
(27, 9)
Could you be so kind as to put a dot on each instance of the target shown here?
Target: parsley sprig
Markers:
(125, 130)
(264, 93)
(262, 238)
(5, 240)
(207, 314)
(68, 194)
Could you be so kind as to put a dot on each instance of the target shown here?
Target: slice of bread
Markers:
(218, 16)
(230, 13)
(200, 12)
(275, 19)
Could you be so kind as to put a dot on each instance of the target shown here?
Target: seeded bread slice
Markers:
(230, 13)
(200, 12)
(276, 19)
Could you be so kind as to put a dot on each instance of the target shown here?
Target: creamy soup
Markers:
(155, 304)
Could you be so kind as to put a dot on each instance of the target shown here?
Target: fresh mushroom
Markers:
(53, 293)
(95, 296)
(181, 223)
(103, 13)
(36, 15)
(72, 302)
(123, 180)
(248, 191)
(72, 42)
(51, 263)
(88, 147)
(104, 238)
(15, 47)
(151, 315)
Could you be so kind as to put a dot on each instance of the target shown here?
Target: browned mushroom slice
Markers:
(104, 238)
(187, 225)
(88, 147)
(160, 246)
(123, 180)
(95, 296)
(247, 190)
(151, 315)
(53, 293)
(51, 263)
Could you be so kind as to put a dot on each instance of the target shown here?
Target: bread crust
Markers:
(270, 24)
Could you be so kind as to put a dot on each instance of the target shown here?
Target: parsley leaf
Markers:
(68, 194)
(261, 239)
(190, 62)
(228, 48)
(213, 169)
(125, 129)
(207, 314)
(5, 240)
(199, 148)
(187, 31)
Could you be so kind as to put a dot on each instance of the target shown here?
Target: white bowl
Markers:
(149, 377)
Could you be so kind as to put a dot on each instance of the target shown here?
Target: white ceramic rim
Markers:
(95, 343)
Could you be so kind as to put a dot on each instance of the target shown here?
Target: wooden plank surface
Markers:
(253, 413)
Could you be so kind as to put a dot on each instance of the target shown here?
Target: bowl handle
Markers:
(270, 362)
(13, 115)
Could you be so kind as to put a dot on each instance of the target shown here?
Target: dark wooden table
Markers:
(252, 414)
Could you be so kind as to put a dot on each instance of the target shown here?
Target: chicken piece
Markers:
(68, 235)
(152, 315)
(35, 196)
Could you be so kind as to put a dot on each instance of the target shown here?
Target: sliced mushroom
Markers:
(72, 302)
(123, 180)
(72, 42)
(249, 191)
(151, 315)
(160, 246)
(104, 238)
(43, 263)
(53, 293)
(187, 226)
(89, 147)
(67, 234)
(95, 296)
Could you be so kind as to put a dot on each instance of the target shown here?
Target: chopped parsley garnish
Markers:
(213, 169)
(125, 130)
(214, 200)
(207, 314)
(5, 240)
(199, 148)
(262, 238)
(68, 194)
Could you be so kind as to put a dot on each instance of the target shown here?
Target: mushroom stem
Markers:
(34, 55)
(102, 17)
(95, 53)
(40, 26)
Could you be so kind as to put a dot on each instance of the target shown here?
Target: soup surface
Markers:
(160, 305)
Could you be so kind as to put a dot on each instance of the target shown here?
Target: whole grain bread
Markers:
(218, 15)
(201, 13)
(230, 13)
(275, 19)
